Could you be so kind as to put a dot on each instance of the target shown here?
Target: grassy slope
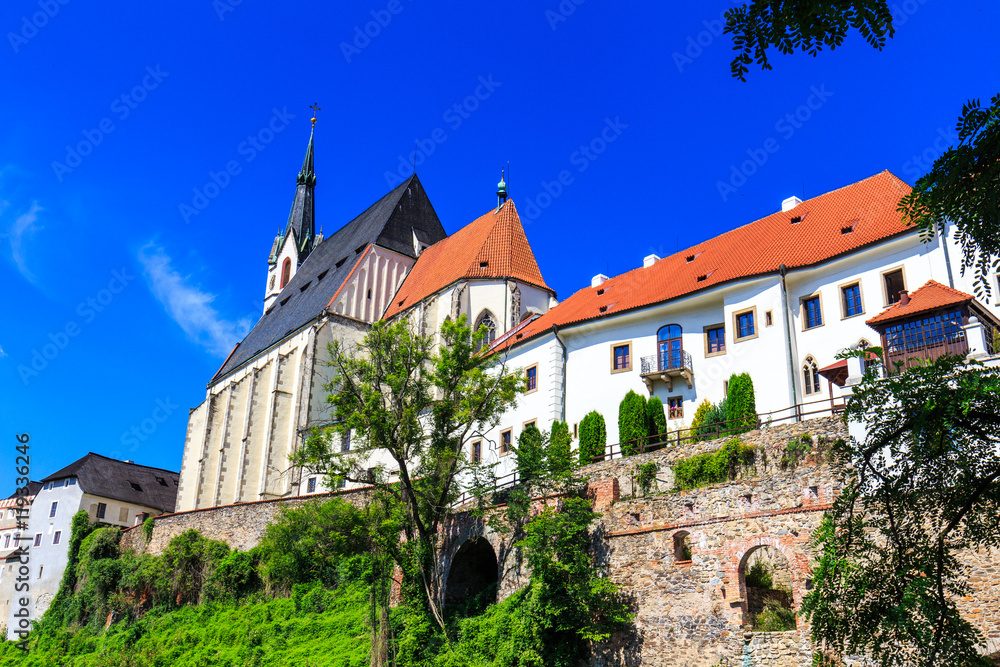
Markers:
(258, 634)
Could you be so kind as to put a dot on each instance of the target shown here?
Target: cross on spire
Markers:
(315, 107)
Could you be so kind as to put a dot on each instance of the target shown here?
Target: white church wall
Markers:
(373, 282)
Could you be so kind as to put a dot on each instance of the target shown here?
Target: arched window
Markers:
(810, 376)
(682, 547)
(670, 346)
(487, 319)
(286, 271)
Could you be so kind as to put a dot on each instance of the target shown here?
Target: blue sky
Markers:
(132, 262)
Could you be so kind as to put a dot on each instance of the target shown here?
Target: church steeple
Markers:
(302, 218)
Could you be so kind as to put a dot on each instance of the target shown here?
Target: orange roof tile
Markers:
(826, 226)
(491, 246)
(931, 296)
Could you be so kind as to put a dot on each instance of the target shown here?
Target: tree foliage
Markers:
(593, 437)
(927, 488)
(962, 187)
(420, 405)
(530, 451)
(559, 454)
(802, 25)
(632, 428)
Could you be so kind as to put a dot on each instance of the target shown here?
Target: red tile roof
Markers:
(931, 296)
(867, 208)
(491, 246)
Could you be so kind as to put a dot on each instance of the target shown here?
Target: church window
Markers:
(486, 319)
(286, 271)
(810, 376)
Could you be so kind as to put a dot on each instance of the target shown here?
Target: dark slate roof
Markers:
(390, 222)
(110, 478)
(33, 488)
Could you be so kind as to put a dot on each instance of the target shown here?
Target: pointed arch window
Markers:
(487, 319)
(286, 271)
(810, 376)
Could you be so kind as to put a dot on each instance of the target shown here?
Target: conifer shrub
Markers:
(656, 421)
(593, 437)
(741, 405)
(530, 454)
(632, 427)
(560, 456)
(727, 463)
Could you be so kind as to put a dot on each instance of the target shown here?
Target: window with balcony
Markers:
(810, 376)
(851, 298)
(671, 347)
(812, 312)
(715, 340)
(621, 357)
(745, 321)
(894, 284)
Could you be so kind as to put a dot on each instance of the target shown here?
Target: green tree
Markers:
(593, 437)
(656, 420)
(559, 454)
(961, 185)
(421, 405)
(927, 487)
(530, 453)
(741, 404)
(632, 428)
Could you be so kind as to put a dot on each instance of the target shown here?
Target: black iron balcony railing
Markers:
(666, 361)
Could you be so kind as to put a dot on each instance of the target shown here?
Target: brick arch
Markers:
(458, 531)
(742, 550)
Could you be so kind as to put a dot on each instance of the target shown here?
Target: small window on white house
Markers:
(312, 485)
(810, 376)
(52, 510)
(56, 536)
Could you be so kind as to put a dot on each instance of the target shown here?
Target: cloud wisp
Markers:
(188, 305)
(22, 229)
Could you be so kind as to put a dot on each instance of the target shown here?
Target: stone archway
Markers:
(766, 582)
(474, 570)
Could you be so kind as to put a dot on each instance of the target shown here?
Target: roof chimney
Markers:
(904, 297)
(649, 260)
(790, 203)
(598, 279)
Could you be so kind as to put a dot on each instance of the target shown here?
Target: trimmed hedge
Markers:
(593, 437)
(530, 454)
(741, 406)
(656, 420)
(560, 455)
(632, 428)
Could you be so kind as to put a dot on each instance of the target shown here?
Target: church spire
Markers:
(302, 218)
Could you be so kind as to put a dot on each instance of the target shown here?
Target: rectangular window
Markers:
(123, 515)
(852, 300)
(531, 378)
(6, 541)
(576, 430)
(345, 440)
(52, 510)
(621, 357)
(477, 451)
(312, 485)
(812, 313)
(102, 509)
(40, 569)
(38, 539)
(341, 483)
(56, 484)
(527, 424)
(56, 536)
(715, 340)
(768, 318)
(71, 481)
(745, 324)
(675, 407)
(505, 438)
(893, 285)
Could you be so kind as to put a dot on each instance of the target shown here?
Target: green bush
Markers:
(758, 576)
(741, 405)
(714, 421)
(646, 477)
(191, 559)
(235, 576)
(700, 415)
(560, 455)
(774, 618)
(147, 528)
(593, 437)
(314, 541)
(632, 428)
(796, 450)
(530, 454)
(656, 420)
(722, 465)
